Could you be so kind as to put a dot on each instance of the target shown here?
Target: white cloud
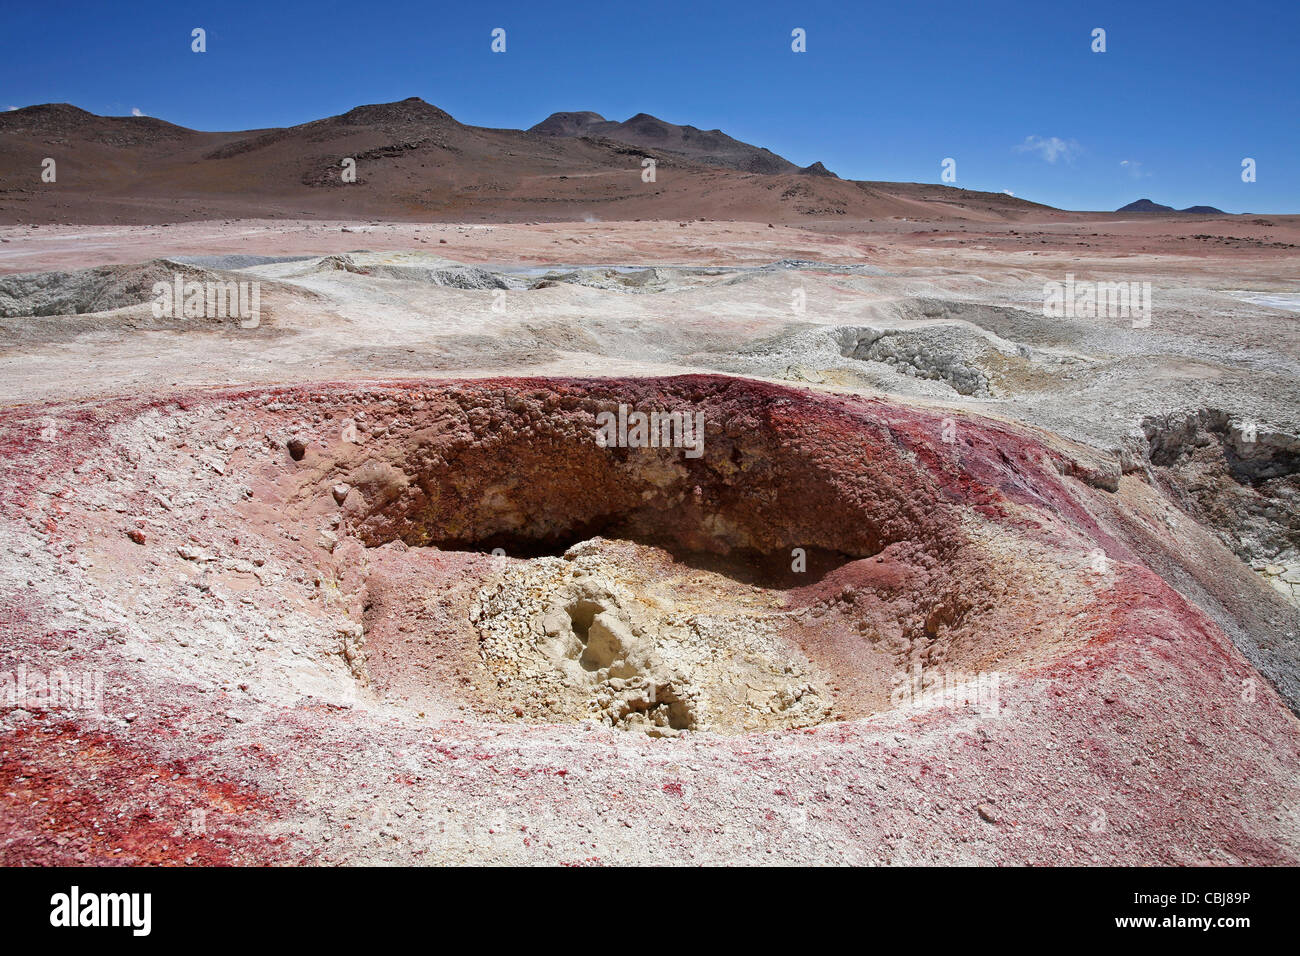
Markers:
(1134, 168)
(1008, 192)
(1050, 148)
(136, 111)
(11, 109)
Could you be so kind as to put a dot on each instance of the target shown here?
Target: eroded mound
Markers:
(1239, 479)
(614, 631)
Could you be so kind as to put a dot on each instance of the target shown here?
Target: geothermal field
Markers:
(745, 515)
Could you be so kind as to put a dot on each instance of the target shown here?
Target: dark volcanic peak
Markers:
(66, 120)
(567, 124)
(817, 169)
(712, 146)
(411, 110)
(1146, 205)
(47, 111)
(400, 125)
(59, 118)
(652, 127)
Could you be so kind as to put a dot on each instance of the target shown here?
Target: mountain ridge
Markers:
(415, 161)
(710, 146)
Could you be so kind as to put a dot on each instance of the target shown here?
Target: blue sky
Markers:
(1011, 91)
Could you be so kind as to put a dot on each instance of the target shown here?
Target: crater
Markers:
(801, 563)
(479, 551)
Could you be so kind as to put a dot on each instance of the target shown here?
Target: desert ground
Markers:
(362, 587)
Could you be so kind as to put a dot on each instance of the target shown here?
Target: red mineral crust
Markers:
(885, 635)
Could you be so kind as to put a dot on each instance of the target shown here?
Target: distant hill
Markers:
(1146, 205)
